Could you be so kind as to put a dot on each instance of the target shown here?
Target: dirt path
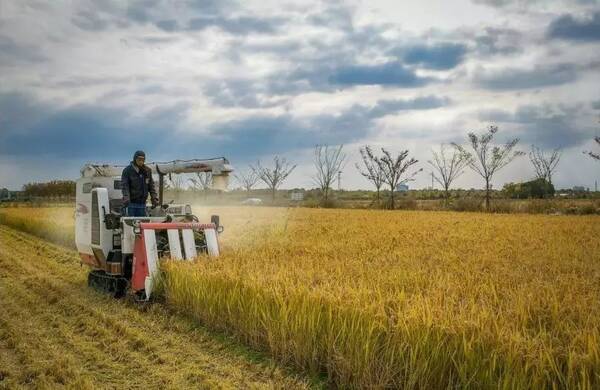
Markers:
(55, 332)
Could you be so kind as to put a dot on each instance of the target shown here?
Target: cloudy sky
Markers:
(92, 81)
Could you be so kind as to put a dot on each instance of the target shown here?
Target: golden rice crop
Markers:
(406, 299)
(56, 224)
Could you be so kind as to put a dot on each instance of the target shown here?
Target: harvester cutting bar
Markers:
(145, 254)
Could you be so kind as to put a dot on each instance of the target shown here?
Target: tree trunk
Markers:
(447, 194)
(377, 194)
(487, 194)
(273, 190)
(392, 199)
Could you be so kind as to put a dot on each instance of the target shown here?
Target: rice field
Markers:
(406, 299)
(55, 333)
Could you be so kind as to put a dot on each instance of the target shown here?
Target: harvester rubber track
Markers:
(102, 282)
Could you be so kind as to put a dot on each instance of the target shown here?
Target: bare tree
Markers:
(247, 179)
(448, 168)
(489, 159)
(371, 171)
(175, 182)
(544, 165)
(273, 177)
(595, 156)
(394, 168)
(328, 162)
(202, 181)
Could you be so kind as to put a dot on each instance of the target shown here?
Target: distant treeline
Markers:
(538, 188)
(50, 189)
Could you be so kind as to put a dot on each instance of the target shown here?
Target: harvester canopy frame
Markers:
(218, 167)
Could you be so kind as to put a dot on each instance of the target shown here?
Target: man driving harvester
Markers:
(136, 184)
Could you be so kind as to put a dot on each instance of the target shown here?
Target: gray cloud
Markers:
(39, 129)
(494, 3)
(169, 25)
(496, 40)
(18, 112)
(334, 16)
(88, 81)
(543, 125)
(99, 16)
(13, 53)
(103, 15)
(333, 57)
(527, 3)
(237, 25)
(385, 107)
(250, 138)
(329, 74)
(140, 10)
(390, 74)
(262, 135)
(576, 29)
(439, 56)
(209, 6)
(238, 93)
(90, 21)
(517, 78)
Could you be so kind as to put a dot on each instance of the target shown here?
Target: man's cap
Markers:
(139, 153)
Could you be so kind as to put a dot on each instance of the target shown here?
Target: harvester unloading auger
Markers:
(123, 251)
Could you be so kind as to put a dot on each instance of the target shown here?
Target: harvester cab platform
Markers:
(123, 252)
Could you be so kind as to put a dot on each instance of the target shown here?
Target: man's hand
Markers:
(125, 202)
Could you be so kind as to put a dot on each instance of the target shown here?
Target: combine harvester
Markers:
(123, 251)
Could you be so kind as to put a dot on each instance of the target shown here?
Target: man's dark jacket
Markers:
(136, 184)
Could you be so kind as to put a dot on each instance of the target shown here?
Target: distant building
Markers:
(297, 196)
(7, 195)
(578, 189)
(402, 187)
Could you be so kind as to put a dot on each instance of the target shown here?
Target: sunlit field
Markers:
(406, 299)
(56, 224)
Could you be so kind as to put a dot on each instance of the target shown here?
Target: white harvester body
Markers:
(123, 251)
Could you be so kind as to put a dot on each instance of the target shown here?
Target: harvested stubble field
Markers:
(56, 333)
(401, 299)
